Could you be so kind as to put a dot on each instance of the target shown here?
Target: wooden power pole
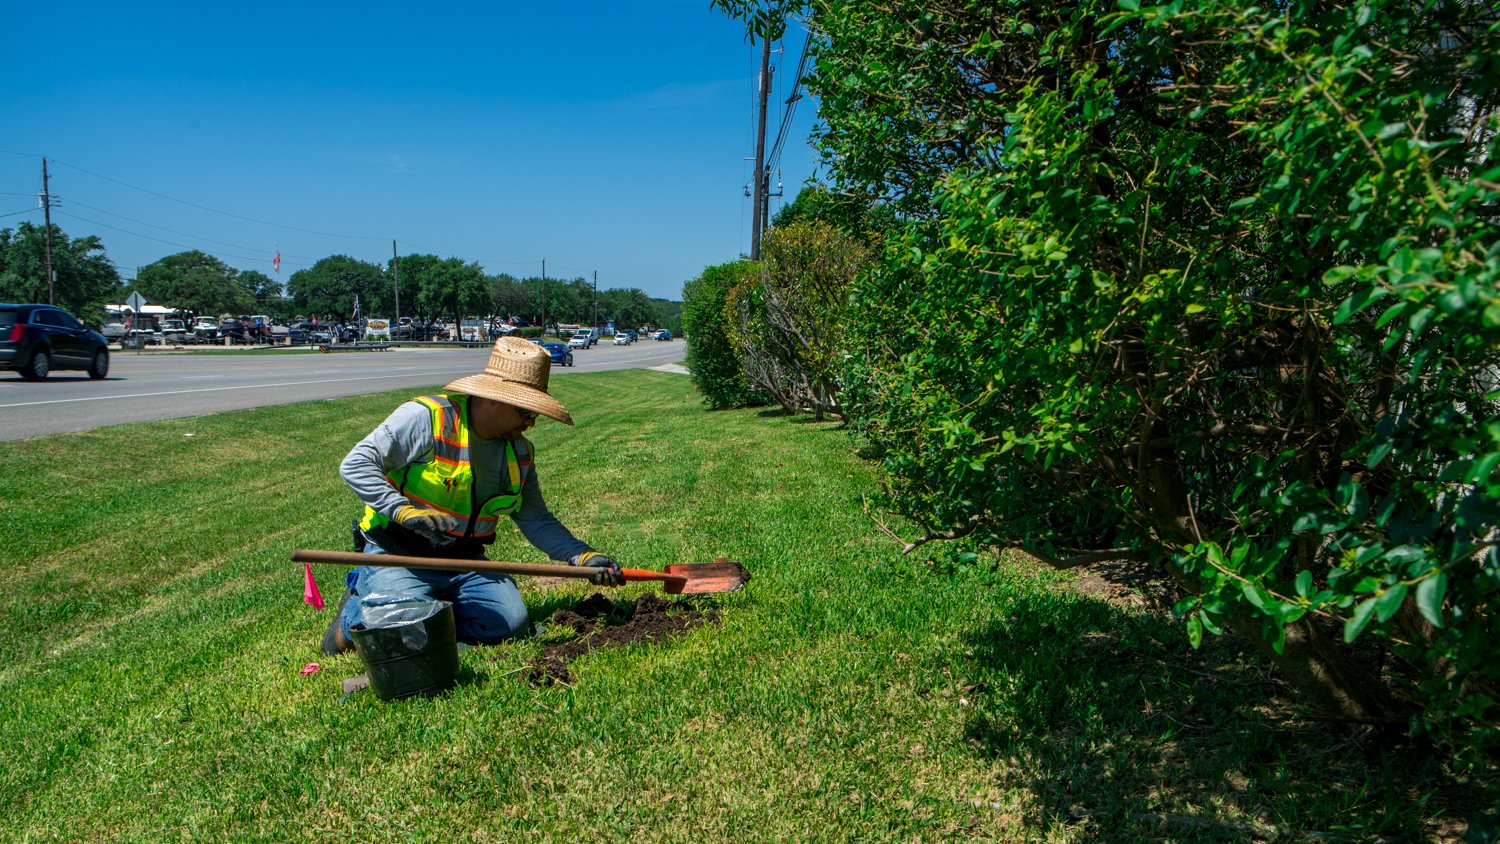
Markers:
(47, 216)
(760, 149)
(396, 286)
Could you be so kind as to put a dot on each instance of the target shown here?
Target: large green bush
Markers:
(1205, 284)
(710, 355)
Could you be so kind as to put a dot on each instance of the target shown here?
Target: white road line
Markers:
(219, 389)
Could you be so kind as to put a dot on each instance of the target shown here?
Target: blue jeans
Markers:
(487, 608)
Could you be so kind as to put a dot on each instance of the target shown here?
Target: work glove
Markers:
(609, 571)
(424, 522)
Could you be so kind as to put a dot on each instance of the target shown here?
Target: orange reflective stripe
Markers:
(430, 505)
(449, 476)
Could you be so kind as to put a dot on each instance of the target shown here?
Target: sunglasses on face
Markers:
(527, 415)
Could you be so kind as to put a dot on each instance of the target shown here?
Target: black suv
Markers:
(306, 332)
(37, 339)
(421, 331)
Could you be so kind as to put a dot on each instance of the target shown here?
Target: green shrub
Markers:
(1208, 285)
(787, 323)
(715, 368)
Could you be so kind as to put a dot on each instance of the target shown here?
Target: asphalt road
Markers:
(166, 385)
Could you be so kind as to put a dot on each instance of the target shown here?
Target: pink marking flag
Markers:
(276, 262)
(310, 592)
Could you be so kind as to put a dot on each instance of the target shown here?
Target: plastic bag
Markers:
(404, 613)
(381, 611)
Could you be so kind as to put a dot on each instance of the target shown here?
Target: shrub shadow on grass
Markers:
(1107, 721)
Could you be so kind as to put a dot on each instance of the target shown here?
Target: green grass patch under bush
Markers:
(152, 629)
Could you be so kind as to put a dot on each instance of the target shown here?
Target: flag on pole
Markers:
(356, 307)
(310, 592)
(276, 262)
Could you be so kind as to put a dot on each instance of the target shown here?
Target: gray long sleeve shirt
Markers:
(405, 437)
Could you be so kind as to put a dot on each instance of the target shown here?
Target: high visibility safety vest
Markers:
(446, 483)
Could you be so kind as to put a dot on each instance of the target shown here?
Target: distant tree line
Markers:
(196, 282)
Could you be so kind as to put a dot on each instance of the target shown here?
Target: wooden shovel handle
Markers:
(353, 558)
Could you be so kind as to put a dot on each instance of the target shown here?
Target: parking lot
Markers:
(143, 386)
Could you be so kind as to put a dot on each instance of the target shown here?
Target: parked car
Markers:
(306, 332)
(35, 340)
(663, 334)
(561, 354)
(622, 339)
(578, 341)
(421, 331)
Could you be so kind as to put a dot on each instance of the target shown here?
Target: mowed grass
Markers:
(152, 631)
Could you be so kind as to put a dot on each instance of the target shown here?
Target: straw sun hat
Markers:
(516, 375)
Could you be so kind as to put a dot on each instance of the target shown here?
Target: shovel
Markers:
(721, 575)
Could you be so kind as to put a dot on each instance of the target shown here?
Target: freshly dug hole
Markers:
(600, 624)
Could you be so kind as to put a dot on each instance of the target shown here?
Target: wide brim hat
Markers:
(516, 375)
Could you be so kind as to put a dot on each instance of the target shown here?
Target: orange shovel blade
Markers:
(721, 575)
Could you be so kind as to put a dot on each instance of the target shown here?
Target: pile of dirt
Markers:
(602, 624)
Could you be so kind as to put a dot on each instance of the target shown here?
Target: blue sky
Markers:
(600, 136)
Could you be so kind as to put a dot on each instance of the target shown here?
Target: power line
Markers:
(215, 210)
(791, 106)
(14, 213)
(299, 260)
(169, 242)
(174, 231)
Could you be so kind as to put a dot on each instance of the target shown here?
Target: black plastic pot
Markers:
(406, 660)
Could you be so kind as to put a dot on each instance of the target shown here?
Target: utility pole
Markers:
(760, 149)
(47, 215)
(396, 286)
(544, 296)
(596, 298)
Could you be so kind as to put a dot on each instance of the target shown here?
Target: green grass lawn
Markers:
(152, 630)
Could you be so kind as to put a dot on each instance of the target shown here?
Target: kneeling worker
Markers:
(435, 477)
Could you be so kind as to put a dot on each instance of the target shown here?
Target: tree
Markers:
(628, 306)
(853, 215)
(711, 359)
(445, 286)
(788, 321)
(1225, 281)
(564, 300)
(509, 296)
(195, 282)
(404, 281)
(262, 287)
(330, 285)
(85, 279)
